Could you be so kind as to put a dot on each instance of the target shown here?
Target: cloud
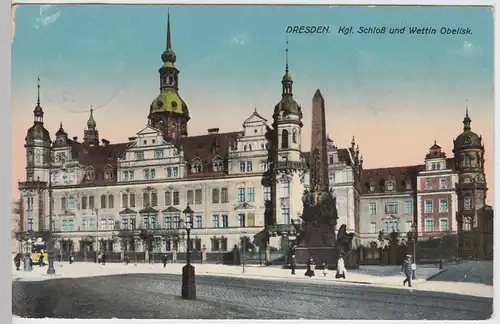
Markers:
(470, 49)
(239, 39)
(48, 15)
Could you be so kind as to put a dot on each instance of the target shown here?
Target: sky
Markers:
(396, 94)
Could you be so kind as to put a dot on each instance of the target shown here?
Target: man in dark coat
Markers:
(293, 264)
(406, 270)
(164, 259)
(103, 258)
(310, 267)
(40, 260)
(17, 261)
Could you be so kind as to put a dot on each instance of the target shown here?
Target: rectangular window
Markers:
(64, 225)
(91, 225)
(467, 203)
(111, 201)
(125, 224)
(168, 198)
(391, 208)
(241, 220)
(124, 200)
(125, 175)
(373, 228)
(64, 204)
(443, 225)
(190, 197)
(145, 222)
(132, 223)
(152, 221)
(103, 201)
(198, 197)
(30, 224)
(175, 198)
(154, 199)
(372, 208)
(71, 226)
(443, 205)
(152, 173)
(132, 200)
(241, 194)
(103, 224)
(177, 222)
(175, 172)
(251, 220)
(84, 225)
(224, 197)
(139, 156)
(285, 189)
(408, 207)
(71, 204)
(429, 225)
(91, 202)
(84, 203)
(267, 193)
(250, 194)
(249, 166)
(111, 224)
(242, 166)
(428, 184)
(146, 174)
(225, 221)
(391, 226)
(429, 208)
(215, 221)
(131, 175)
(285, 212)
(168, 222)
(159, 154)
(443, 183)
(215, 196)
(199, 221)
(145, 199)
(169, 172)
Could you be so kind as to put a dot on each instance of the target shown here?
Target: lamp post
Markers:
(244, 239)
(414, 228)
(188, 272)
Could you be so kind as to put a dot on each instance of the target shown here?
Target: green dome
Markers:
(289, 107)
(38, 132)
(287, 77)
(467, 139)
(169, 101)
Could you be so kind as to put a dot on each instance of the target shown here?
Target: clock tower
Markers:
(471, 188)
(168, 112)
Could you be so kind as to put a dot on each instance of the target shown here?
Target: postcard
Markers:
(252, 162)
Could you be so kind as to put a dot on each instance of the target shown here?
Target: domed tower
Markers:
(468, 151)
(38, 146)
(288, 164)
(168, 112)
(91, 134)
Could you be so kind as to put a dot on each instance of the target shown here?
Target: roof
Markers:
(401, 175)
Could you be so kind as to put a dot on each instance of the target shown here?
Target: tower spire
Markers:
(466, 108)
(467, 119)
(286, 56)
(38, 86)
(169, 41)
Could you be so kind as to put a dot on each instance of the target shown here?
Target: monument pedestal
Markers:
(319, 255)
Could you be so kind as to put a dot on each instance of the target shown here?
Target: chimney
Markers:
(213, 131)
(105, 142)
(75, 138)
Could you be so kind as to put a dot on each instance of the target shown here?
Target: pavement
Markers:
(380, 276)
(154, 295)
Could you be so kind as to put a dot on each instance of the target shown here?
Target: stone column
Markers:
(174, 255)
(204, 254)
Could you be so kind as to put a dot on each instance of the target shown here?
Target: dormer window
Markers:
(90, 174)
(435, 165)
(408, 184)
(218, 165)
(108, 175)
(371, 187)
(390, 185)
(196, 167)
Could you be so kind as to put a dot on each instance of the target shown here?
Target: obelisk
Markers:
(319, 157)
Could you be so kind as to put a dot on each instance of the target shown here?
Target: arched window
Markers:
(294, 136)
(284, 139)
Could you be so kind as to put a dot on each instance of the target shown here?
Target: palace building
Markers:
(111, 196)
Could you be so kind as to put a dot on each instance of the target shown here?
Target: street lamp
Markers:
(188, 273)
(244, 239)
(414, 229)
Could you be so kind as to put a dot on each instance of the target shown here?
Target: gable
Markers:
(255, 119)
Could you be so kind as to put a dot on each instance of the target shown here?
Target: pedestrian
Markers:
(31, 262)
(325, 269)
(71, 258)
(103, 258)
(293, 264)
(310, 267)
(40, 260)
(341, 270)
(164, 259)
(17, 261)
(406, 270)
(127, 259)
